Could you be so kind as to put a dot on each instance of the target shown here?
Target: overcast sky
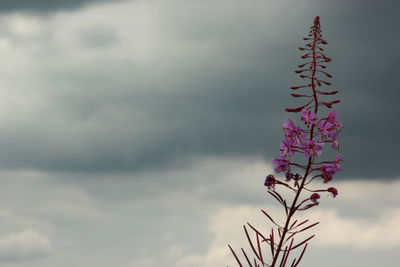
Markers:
(131, 131)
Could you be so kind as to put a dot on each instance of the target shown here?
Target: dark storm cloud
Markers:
(363, 40)
(44, 6)
(219, 89)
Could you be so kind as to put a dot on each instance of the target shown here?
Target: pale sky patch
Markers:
(24, 245)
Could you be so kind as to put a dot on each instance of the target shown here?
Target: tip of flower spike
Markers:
(316, 21)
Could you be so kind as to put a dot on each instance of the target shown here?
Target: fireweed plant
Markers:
(300, 162)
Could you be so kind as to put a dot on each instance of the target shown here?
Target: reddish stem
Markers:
(310, 160)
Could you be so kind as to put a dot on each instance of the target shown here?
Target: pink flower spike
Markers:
(306, 133)
(333, 191)
(308, 117)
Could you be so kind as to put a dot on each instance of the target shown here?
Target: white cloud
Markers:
(360, 233)
(187, 218)
(24, 245)
(334, 231)
(371, 191)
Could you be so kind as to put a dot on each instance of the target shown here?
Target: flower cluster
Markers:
(298, 140)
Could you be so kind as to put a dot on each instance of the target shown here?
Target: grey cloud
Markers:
(98, 36)
(186, 89)
(44, 6)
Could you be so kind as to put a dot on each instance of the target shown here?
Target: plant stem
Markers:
(310, 159)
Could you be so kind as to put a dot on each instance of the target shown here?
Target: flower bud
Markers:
(289, 176)
(333, 191)
(270, 182)
(314, 197)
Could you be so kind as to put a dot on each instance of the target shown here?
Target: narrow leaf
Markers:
(277, 198)
(269, 217)
(287, 254)
(255, 230)
(272, 245)
(303, 222)
(259, 248)
(247, 258)
(236, 257)
(251, 243)
(301, 255)
(293, 224)
(285, 251)
(308, 227)
(301, 243)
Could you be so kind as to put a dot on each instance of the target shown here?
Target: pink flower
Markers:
(281, 164)
(290, 129)
(308, 117)
(329, 126)
(333, 118)
(312, 148)
(325, 128)
(335, 144)
(286, 147)
(338, 158)
(327, 172)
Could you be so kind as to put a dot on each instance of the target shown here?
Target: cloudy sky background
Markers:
(138, 133)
